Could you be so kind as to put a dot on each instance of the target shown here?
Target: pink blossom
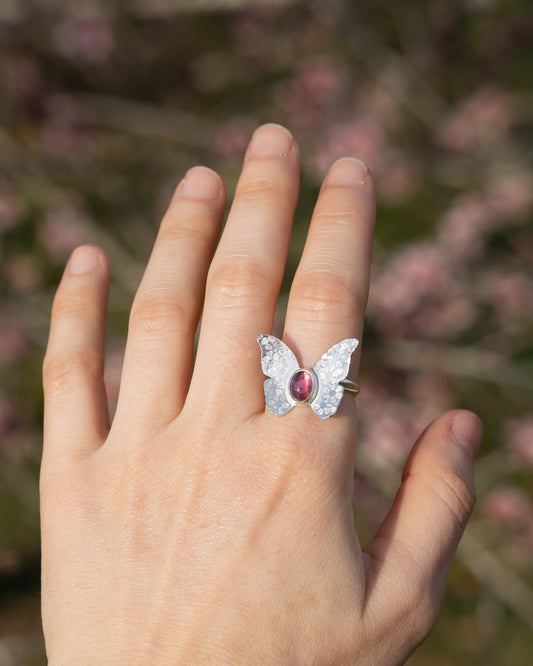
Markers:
(508, 507)
(397, 178)
(22, 81)
(390, 425)
(62, 140)
(63, 229)
(413, 274)
(376, 100)
(511, 195)
(22, 273)
(322, 78)
(231, 139)
(522, 245)
(523, 541)
(510, 295)
(66, 133)
(386, 429)
(374, 396)
(432, 395)
(13, 340)
(314, 88)
(85, 38)
(444, 318)
(462, 227)
(419, 292)
(251, 33)
(385, 437)
(478, 120)
(359, 136)
(519, 437)
(10, 207)
(473, 215)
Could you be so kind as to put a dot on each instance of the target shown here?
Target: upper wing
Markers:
(278, 363)
(331, 368)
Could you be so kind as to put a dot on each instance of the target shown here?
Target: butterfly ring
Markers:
(289, 384)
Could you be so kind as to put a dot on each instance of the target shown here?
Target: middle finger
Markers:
(245, 275)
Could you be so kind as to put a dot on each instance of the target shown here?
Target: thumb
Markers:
(408, 561)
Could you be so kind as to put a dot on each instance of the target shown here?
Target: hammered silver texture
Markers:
(279, 364)
(332, 368)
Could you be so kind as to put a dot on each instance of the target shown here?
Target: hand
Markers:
(200, 528)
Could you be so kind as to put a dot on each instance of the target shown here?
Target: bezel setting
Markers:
(296, 385)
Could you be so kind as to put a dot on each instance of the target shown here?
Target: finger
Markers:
(164, 316)
(330, 288)
(246, 273)
(76, 418)
(411, 554)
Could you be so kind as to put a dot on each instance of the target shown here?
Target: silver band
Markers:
(350, 386)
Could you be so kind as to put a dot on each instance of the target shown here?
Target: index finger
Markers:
(76, 419)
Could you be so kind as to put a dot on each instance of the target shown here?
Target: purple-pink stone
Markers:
(301, 385)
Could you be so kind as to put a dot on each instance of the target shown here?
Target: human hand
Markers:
(200, 528)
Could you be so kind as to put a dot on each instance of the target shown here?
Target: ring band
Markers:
(350, 386)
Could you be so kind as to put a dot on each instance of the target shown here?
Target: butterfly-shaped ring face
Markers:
(288, 383)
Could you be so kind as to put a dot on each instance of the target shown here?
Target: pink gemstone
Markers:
(301, 385)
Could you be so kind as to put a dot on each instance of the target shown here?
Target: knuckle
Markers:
(413, 604)
(64, 371)
(415, 610)
(333, 219)
(152, 315)
(455, 492)
(299, 455)
(189, 229)
(421, 612)
(233, 284)
(326, 297)
(259, 189)
(66, 305)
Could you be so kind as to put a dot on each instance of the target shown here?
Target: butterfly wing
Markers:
(278, 363)
(332, 368)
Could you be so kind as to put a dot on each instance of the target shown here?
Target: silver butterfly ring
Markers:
(289, 384)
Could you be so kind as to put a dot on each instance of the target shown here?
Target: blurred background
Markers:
(105, 105)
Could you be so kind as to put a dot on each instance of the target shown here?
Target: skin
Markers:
(199, 528)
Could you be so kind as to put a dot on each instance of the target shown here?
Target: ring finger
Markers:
(330, 289)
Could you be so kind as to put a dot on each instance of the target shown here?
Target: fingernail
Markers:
(347, 172)
(467, 430)
(83, 260)
(201, 183)
(271, 139)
